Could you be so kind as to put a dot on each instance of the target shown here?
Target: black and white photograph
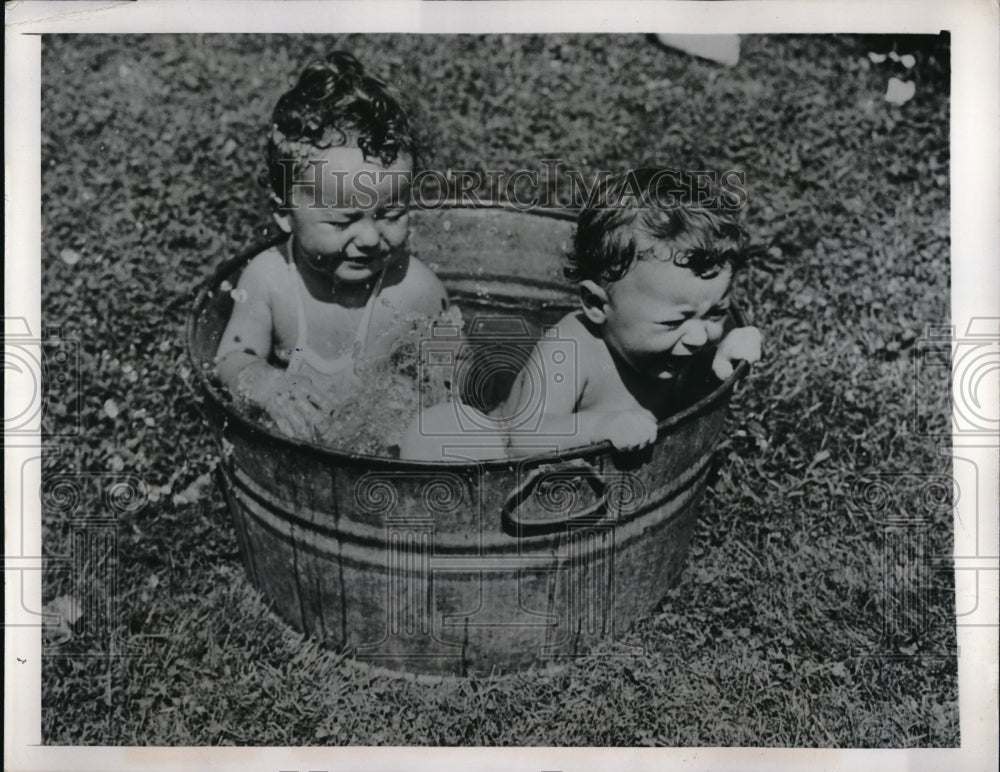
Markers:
(507, 381)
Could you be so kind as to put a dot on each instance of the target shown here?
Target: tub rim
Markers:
(341, 457)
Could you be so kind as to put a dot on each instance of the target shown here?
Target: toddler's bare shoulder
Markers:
(572, 327)
(418, 272)
(578, 340)
(568, 336)
(265, 269)
(419, 288)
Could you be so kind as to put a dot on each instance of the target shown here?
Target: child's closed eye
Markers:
(392, 213)
(715, 314)
(340, 220)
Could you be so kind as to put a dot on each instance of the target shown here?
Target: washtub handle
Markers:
(575, 468)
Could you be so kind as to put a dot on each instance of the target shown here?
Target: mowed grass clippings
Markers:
(796, 621)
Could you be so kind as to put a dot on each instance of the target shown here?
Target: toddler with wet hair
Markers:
(341, 289)
(654, 272)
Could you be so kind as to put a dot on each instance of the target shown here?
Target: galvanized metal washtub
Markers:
(464, 568)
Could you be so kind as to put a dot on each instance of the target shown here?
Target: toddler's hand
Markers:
(741, 343)
(292, 400)
(626, 429)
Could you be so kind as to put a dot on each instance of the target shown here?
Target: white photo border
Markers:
(975, 254)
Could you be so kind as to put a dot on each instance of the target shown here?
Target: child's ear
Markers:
(593, 299)
(280, 214)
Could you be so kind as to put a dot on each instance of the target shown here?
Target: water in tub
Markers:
(374, 404)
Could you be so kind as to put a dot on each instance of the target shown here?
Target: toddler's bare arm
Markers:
(539, 412)
(241, 364)
(540, 416)
(247, 337)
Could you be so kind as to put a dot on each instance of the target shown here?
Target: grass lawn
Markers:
(799, 619)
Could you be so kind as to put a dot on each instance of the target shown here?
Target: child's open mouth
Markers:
(362, 264)
(366, 263)
(671, 366)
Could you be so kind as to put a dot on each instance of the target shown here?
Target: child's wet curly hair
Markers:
(705, 236)
(333, 102)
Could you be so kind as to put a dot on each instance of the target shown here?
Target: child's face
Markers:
(660, 313)
(353, 223)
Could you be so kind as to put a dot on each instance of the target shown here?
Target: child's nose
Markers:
(695, 335)
(366, 234)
